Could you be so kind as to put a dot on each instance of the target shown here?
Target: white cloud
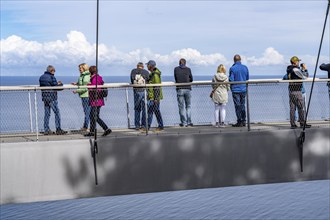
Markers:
(17, 52)
(270, 57)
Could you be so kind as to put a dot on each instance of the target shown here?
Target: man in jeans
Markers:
(239, 73)
(295, 72)
(182, 74)
(139, 76)
(49, 97)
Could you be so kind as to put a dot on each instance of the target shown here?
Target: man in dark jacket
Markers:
(182, 74)
(326, 67)
(139, 76)
(49, 97)
(296, 100)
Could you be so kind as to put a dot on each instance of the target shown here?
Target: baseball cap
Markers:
(151, 63)
(140, 64)
(294, 59)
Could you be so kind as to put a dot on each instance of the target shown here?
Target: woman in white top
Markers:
(220, 95)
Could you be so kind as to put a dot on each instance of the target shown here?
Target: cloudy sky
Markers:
(207, 33)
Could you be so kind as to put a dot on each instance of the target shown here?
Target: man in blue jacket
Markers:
(239, 73)
(49, 97)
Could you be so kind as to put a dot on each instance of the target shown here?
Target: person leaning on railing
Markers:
(49, 97)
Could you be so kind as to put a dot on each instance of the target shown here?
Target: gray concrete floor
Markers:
(173, 130)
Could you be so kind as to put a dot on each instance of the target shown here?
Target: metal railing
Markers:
(267, 101)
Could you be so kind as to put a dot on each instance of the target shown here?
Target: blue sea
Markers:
(309, 200)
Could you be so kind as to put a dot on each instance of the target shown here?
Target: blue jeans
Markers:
(184, 103)
(87, 110)
(54, 106)
(153, 107)
(239, 102)
(139, 106)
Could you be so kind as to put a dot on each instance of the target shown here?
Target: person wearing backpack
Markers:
(96, 101)
(139, 76)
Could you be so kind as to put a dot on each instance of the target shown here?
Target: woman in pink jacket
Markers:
(96, 102)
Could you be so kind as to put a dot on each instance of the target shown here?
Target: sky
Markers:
(37, 33)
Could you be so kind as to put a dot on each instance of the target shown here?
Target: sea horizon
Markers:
(34, 80)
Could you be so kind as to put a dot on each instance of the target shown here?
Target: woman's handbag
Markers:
(211, 94)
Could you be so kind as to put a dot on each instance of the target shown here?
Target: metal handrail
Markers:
(163, 84)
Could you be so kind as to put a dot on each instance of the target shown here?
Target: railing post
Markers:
(248, 106)
(30, 112)
(127, 110)
(146, 109)
(36, 112)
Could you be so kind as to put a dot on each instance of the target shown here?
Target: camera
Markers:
(302, 64)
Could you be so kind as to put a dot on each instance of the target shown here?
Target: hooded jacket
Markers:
(293, 73)
(220, 95)
(95, 81)
(155, 93)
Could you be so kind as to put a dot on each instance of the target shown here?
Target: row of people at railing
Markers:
(182, 74)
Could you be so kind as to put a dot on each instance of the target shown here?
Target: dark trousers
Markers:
(153, 107)
(95, 117)
(239, 102)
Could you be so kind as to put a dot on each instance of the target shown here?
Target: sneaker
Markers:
(293, 126)
(142, 129)
(61, 132)
(89, 134)
(159, 129)
(190, 125)
(83, 129)
(49, 132)
(306, 126)
(106, 132)
(217, 124)
(222, 125)
(181, 125)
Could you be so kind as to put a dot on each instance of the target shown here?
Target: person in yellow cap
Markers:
(296, 100)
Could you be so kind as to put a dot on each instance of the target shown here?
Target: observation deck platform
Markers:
(170, 130)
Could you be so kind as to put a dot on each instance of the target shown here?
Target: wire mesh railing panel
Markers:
(268, 102)
(23, 111)
(16, 111)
